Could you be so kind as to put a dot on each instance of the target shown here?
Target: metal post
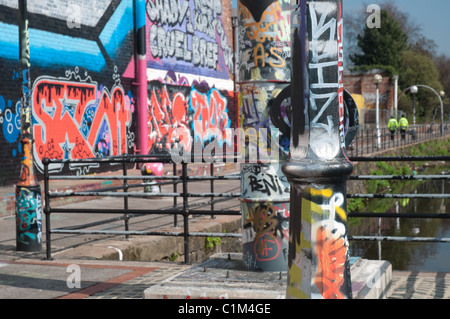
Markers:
(185, 213)
(141, 76)
(378, 116)
(264, 78)
(175, 184)
(28, 192)
(211, 184)
(47, 210)
(318, 167)
(126, 216)
(395, 96)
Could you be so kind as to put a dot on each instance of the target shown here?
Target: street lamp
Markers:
(395, 96)
(414, 89)
(377, 80)
(441, 95)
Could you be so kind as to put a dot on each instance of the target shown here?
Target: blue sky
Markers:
(433, 16)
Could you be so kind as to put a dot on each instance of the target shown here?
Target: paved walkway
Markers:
(39, 279)
(28, 275)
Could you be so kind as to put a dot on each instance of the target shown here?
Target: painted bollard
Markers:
(264, 77)
(28, 207)
(28, 200)
(265, 218)
(318, 167)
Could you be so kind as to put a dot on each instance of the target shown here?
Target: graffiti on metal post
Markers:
(264, 40)
(325, 82)
(266, 230)
(325, 245)
(28, 217)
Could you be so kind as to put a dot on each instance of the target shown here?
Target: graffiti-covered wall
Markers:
(82, 69)
(190, 73)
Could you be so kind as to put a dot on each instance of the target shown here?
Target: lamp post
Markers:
(28, 192)
(395, 95)
(441, 95)
(377, 80)
(414, 89)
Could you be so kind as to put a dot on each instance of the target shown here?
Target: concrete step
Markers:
(223, 277)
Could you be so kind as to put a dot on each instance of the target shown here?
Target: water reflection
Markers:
(428, 257)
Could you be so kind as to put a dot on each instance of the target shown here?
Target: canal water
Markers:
(407, 256)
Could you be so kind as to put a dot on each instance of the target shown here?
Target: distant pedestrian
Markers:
(392, 127)
(403, 123)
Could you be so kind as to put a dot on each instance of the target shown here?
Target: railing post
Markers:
(211, 183)
(185, 213)
(28, 205)
(175, 186)
(264, 78)
(47, 210)
(126, 216)
(318, 167)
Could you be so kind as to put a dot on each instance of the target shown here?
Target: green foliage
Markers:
(355, 205)
(417, 68)
(174, 256)
(381, 46)
(212, 242)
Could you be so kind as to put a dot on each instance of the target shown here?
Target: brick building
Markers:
(363, 89)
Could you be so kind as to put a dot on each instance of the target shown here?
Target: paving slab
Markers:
(224, 277)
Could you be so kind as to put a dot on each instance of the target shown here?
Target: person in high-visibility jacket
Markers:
(392, 126)
(403, 124)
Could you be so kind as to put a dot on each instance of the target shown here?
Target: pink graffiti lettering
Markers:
(168, 121)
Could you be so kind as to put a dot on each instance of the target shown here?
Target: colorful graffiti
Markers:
(80, 119)
(325, 77)
(102, 45)
(263, 106)
(323, 245)
(264, 40)
(265, 235)
(190, 35)
(265, 216)
(28, 219)
(182, 116)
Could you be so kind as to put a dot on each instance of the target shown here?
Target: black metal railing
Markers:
(443, 177)
(125, 191)
(187, 209)
(366, 141)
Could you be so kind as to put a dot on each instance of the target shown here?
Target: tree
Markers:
(417, 68)
(381, 46)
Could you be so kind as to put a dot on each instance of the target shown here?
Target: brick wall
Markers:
(363, 84)
(82, 70)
